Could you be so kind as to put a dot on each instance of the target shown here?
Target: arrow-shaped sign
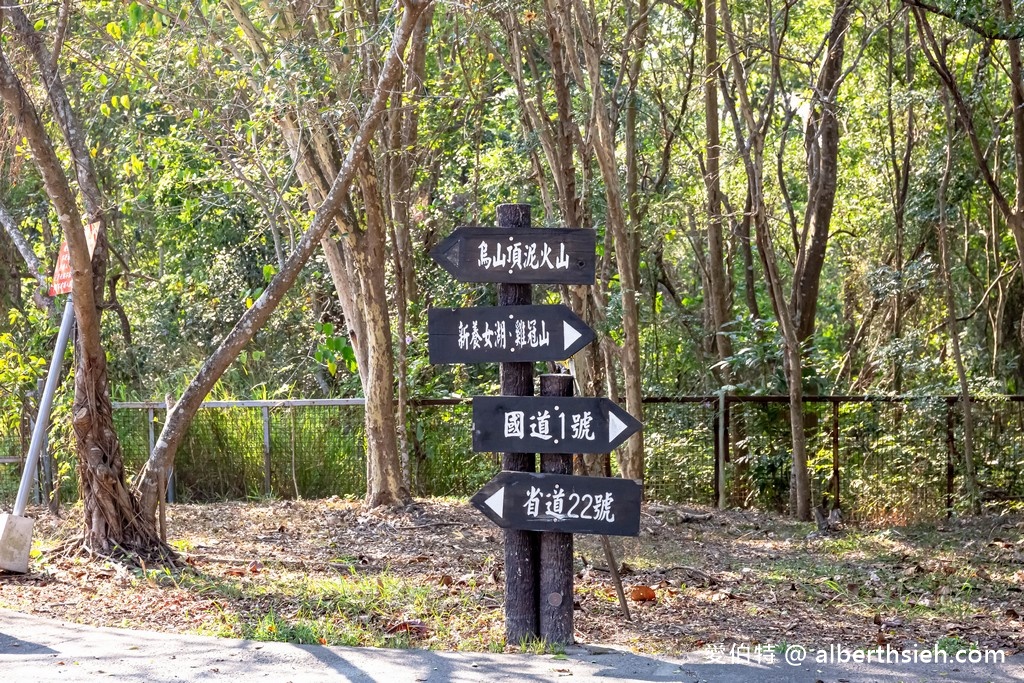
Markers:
(519, 255)
(502, 334)
(528, 424)
(563, 503)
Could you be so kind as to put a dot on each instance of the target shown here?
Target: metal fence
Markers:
(881, 457)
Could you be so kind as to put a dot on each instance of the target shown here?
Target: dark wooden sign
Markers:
(505, 334)
(556, 502)
(519, 255)
(528, 424)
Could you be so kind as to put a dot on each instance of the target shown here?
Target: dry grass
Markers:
(430, 575)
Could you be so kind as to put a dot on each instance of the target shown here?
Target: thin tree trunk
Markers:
(717, 280)
(41, 295)
(631, 458)
(970, 474)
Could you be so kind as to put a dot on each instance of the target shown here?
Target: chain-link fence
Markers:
(878, 457)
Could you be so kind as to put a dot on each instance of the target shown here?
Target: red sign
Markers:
(62, 273)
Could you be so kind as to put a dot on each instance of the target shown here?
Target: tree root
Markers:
(136, 556)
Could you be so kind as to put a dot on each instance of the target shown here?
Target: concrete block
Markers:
(15, 543)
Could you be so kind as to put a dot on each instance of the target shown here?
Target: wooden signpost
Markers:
(502, 334)
(550, 425)
(608, 506)
(519, 254)
(538, 566)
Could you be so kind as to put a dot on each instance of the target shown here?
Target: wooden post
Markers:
(556, 596)
(522, 548)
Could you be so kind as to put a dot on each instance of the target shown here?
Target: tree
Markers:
(111, 513)
(332, 209)
(796, 311)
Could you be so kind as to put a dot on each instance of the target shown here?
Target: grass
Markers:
(382, 610)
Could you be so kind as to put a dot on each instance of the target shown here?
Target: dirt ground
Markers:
(430, 575)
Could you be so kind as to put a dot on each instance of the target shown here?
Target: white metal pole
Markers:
(45, 403)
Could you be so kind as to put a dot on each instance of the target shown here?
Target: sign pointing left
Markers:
(562, 503)
(551, 256)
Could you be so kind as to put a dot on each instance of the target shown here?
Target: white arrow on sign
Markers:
(570, 333)
(615, 426)
(497, 502)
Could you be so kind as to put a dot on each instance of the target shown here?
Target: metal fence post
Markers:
(950, 458)
(835, 454)
(723, 446)
(266, 450)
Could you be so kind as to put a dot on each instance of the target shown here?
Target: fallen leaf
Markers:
(642, 594)
(413, 627)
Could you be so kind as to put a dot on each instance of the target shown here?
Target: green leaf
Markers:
(348, 354)
(125, 101)
(328, 329)
(136, 14)
(39, 25)
(269, 272)
(332, 368)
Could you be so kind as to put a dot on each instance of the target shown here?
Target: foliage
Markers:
(183, 124)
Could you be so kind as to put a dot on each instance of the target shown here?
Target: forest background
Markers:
(791, 198)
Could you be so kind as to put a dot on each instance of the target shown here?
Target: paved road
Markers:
(39, 650)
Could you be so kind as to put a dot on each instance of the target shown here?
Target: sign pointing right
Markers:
(528, 424)
(505, 334)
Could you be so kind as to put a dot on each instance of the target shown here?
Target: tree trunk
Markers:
(10, 274)
(719, 285)
(631, 457)
(970, 473)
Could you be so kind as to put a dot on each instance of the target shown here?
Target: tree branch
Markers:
(998, 31)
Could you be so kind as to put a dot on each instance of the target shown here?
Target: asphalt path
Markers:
(38, 649)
